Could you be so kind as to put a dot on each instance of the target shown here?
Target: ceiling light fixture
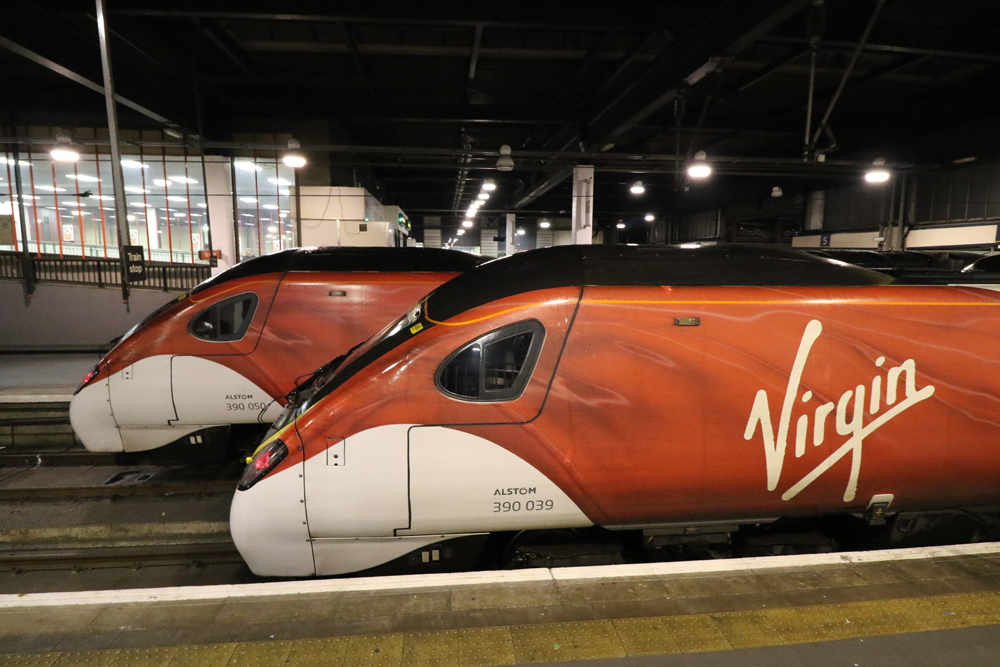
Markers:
(294, 160)
(620, 225)
(544, 224)
(64, 155)
(247, 166)
(505, 162)
(878, 173)
(520, 232)
(699, 169)
(162, 183)
(484, 195)
(777, 192)
(489, 185)
(637, 188)
(460, 232)
(82, 178)
(467, 223)
(650, 217)
(134, 164)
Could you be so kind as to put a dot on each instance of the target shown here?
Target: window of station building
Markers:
(225, 321)
(494, 367)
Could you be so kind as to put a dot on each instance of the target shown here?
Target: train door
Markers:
(223, 386)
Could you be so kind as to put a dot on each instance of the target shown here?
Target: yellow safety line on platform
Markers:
(560, 642)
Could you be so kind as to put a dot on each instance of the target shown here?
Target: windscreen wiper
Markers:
(329, 366)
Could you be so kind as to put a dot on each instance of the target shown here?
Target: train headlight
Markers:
(263, 462)
(88, 379)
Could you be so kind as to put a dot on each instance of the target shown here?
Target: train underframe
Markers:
(599, 546)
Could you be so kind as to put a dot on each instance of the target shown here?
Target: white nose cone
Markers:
(91, 417)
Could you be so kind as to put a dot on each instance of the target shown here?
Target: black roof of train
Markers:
(580, 265)
(351, 260)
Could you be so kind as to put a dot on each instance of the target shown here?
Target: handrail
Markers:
(100, 271)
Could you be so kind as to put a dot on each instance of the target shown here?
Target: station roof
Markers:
(415, 99)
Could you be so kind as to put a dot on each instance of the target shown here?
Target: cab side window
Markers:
(225, 321)
(494, 367)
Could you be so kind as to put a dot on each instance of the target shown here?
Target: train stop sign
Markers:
(135, 263)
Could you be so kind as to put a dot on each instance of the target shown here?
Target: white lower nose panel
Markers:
(461, 483)
(90, 415)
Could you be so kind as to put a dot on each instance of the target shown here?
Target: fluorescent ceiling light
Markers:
(272, 229)
(484, 195)
(248, 166)
(162, 183)
(294, 161)
(620, 225)
(183, 179)
(637, 188)
(269, 207)
(544, 224)
(650, 217)
(49, 188)
(520, 232)
(180, 199)
(248, 200)
(135, 164)
(83, 178)
(136, 191)
(279, 181)
(283, 192)
(467, 223)
(460, 232)
(489, 185)
(202, 205)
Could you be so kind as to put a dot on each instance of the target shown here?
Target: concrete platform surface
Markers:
(817, 610)
(36, 378)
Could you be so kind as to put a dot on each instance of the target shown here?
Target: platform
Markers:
(914, 607)
(43, 378)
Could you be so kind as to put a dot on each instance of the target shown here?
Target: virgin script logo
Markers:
(851, 402)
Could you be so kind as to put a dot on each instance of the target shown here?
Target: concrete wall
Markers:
(70, 317)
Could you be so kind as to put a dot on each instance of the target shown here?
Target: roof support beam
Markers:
(87, 83)
(693, 76)
(476, 40)
(352, 48)
(224, 43)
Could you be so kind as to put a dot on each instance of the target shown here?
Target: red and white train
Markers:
(656, 390)
(229, 351)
